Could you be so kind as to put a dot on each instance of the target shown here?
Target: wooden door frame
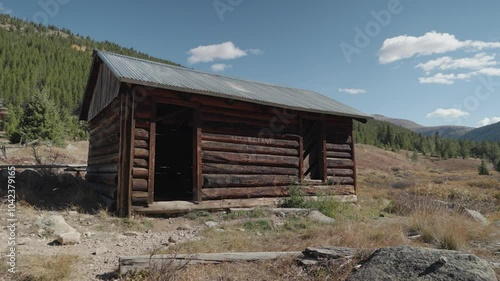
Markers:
(196, 135)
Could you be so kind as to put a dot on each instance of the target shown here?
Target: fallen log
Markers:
(128, 263)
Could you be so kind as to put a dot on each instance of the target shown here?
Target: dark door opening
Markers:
(312, 149)
(174, 153)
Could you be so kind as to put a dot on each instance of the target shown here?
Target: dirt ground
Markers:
(384, 178)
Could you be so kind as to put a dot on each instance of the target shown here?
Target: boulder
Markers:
(477, 216)
(319, 217)
(69, 238)
(53, 224)
(413, 263)
(211, 223)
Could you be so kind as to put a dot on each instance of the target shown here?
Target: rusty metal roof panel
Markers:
(149, 73)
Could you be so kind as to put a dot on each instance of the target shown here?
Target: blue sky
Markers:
(433, 62)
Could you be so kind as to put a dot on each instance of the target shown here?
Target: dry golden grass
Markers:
(48, 268)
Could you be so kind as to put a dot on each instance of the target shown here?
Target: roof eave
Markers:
(361, 118)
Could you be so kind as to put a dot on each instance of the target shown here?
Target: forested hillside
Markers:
(55, 62)
(490, 132)
(393, 137)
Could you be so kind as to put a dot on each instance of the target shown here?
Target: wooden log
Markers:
(139, 198)
(142, 124)
(340, 163)
(245, 148)
(244, 130)
(140, 185)
(141, 163)
(250, 140)
(213, 168)
(141, 153)
(140, 172)
(105, 150)
(106, 126)
(340, 180)
(143, 114)
(103, 168)
(137, 263)
(108, 190)
(252, 159)
(109, 178)
(104, 140)
(338, 154)
(226, 180)
(141, 134)
(140, 144)
(179, 207)
(340, 172)
(271, 191)
(104, 159)
(338, 147)
(267, 116)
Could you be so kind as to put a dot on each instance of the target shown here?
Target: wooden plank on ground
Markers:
(128, 263)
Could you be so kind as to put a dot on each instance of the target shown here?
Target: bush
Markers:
(498, 166)
(483, 168)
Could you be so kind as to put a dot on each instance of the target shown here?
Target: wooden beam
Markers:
(273, 191)
(137, 263)
(245, 148)
(178, 207)
(323, 167)
(353, 158)
(231, 180)
(197, 156)
(301, 149)
(215, 168)
(250, 159)
(152, 153)
(250, 140)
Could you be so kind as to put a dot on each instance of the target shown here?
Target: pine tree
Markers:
(498, 166)
(41, 120)
(483, 168)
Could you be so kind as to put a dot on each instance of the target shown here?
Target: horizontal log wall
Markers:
(340, 151)
(104, 144)
(141, 166)
(247, 150)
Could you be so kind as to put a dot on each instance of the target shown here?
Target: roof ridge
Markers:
(206, 73)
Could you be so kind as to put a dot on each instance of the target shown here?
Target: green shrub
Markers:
(483, 168)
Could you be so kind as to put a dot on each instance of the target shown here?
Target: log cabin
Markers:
(168, 139)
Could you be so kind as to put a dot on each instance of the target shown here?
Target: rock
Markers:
(328, 252)
(54, 224)
(131, 233)
(185, 227)
(477, 216)
(72, 213)
(87, 234)
(172, 239)
(120, 237)
(69, 238)
(319, 217)
(413, 263)
(100, 251)
(219, 230)
(211, 223)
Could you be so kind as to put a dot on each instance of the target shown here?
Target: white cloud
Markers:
(478, 61)
(5, 10)
(223, 51)
(255, 51)
(488, 121)
(404, 46)
(446, 79)
(352, 91)
(220, 66)
(447, 113)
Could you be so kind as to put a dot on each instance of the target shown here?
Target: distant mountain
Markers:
(490, 133)
(400, 122)
(447, 131)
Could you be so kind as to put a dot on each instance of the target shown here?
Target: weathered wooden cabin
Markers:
(166, 139)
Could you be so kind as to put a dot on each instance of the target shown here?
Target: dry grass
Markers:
(48, 268)
(447, 230)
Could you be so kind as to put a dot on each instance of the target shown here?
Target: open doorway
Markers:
(312, 149)
(174, 153)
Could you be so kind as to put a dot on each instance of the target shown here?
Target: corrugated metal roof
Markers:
(149, 73)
